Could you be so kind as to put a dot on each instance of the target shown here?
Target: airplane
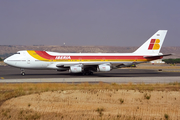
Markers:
(87, 63)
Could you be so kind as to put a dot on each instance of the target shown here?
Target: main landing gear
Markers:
(22, 72)
(87, 73)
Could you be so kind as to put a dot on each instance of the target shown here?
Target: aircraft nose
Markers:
(5, 61)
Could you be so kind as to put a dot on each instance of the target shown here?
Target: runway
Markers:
(10, 74)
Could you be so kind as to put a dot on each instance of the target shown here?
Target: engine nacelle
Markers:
(104, 68)
(75, 69)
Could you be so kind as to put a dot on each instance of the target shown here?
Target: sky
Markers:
(88, 22)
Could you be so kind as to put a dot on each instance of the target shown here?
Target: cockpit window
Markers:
(18, 52)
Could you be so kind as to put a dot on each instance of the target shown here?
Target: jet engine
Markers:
(104, 68)
(75, 69)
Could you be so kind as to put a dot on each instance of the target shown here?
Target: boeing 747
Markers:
(87, 63)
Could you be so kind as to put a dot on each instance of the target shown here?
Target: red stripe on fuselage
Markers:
(45, 55)
(107, 57)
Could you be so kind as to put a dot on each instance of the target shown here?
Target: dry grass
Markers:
(8, 91)
(90, 101)
(2, 63)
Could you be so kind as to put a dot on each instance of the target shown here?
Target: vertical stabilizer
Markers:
(152, 45)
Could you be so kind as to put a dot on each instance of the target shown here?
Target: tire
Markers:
(83, 73)
(23, 73)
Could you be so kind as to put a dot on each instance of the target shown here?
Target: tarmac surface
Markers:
(12, 75)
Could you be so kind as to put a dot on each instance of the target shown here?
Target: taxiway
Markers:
(12, 75)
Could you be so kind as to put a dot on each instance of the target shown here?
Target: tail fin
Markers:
(153, 45)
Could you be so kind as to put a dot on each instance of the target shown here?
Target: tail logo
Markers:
(154, 44)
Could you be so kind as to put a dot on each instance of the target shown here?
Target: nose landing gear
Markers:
(22, 72)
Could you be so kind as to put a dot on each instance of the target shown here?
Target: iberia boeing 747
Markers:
(87, 63)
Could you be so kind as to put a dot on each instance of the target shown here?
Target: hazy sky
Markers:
(88, 22)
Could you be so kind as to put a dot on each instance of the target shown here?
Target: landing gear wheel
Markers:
(22, 73)
(91, 73)
(87, 73)
(83, 73)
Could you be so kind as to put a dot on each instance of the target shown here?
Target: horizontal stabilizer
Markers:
(150, 57)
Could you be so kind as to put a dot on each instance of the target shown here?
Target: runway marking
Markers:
(2, 77)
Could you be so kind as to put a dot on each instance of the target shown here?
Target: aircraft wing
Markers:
(79, 64)
(92, 64)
